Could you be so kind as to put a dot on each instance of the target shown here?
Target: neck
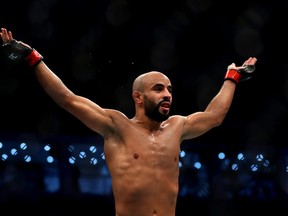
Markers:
(147, 123)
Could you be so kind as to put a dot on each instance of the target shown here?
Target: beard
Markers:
(153, 112)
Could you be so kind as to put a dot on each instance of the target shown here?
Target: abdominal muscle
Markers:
(145, 194)
(144, 184)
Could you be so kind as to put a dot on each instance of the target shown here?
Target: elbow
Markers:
(220, 119)
(219, 122)
(66, 100)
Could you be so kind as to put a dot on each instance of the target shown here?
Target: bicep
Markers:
(197, 124)
(89, 113)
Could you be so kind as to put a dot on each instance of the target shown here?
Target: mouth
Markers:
(165, 106)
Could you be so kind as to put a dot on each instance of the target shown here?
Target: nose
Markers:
(167, 95)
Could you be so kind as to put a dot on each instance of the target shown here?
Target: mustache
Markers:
(164, 101)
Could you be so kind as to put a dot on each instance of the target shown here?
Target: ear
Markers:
(137, 97)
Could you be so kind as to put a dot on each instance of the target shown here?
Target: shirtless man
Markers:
(142, 153)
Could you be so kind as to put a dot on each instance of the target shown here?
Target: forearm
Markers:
(221, 103)
(52, 84)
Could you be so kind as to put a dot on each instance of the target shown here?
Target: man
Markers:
(142, 153)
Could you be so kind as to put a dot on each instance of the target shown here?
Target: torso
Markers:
(144, 168)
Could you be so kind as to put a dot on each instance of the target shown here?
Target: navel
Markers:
(136, 156)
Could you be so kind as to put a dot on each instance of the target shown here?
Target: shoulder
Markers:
(176, 120)
(115, 114)
(117, 121)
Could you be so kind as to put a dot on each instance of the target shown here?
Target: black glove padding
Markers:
(16, 53)
(247, 72)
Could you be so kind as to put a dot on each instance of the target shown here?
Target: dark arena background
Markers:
(51, 164)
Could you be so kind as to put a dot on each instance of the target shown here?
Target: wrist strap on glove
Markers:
(233, 75)
(34, 58)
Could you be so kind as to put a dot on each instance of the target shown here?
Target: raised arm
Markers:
(200, 122)
(84, 109)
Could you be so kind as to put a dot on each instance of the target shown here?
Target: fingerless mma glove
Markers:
(239, 75)
(16, 52)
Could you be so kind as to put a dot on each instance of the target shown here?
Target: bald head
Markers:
(145, 79)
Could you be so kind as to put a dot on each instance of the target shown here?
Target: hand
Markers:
(249, 63)
(241, 73)
(6, 36)
(17, 51)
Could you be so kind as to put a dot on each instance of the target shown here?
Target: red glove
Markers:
(240, 75)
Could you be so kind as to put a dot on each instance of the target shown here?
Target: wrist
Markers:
(34, 58)
(232, 75)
